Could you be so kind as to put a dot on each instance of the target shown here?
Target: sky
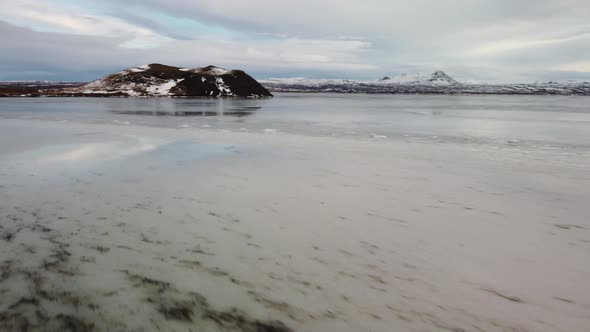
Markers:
(481, 40)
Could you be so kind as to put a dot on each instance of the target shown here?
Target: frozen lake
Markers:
(299, 213)
(536, 120)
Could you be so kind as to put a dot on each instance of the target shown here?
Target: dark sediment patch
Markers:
(191, 307)
(506, 297)
(565, 226)
(235, 321)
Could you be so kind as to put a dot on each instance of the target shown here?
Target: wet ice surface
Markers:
(115, 227)
(84, 238)
(536, 120)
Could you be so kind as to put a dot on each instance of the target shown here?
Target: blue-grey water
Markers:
(545, 120)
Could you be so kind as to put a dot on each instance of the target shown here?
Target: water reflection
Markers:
(552, 119)
(230, 112)
(197, 107)
(128, 154)
(93, 151)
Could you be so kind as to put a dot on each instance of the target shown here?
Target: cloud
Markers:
(577, 66)
(57, 55)
(149, 24)
(496, 40)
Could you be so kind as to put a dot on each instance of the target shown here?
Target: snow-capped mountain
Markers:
(162, 80)
(438, 77)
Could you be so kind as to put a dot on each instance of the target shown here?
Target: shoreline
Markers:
(116, 95)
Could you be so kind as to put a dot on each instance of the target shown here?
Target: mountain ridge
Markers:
(437, 82)
(211, 81)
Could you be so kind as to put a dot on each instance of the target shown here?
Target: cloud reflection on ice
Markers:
(98, 151)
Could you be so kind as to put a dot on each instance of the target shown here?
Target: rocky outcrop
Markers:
(163, 80)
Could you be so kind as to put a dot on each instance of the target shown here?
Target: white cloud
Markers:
(578, 66)
(38, 15)
(96, 55)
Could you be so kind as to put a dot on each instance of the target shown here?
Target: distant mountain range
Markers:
(161, 80)
(438, 82)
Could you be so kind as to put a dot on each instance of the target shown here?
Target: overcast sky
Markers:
(486, 40)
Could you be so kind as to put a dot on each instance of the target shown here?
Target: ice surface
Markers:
(139, 228)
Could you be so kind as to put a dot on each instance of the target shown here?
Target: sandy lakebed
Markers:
(133, 228)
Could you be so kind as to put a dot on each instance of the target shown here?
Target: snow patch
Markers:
(224, 90)
(139, 69)
(163, 89)
(154, 87)
(215, 70)
(95, 84)
(211, 70)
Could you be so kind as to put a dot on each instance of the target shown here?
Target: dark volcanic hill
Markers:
(161, 80)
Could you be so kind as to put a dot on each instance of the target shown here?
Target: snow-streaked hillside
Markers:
(162, 80)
